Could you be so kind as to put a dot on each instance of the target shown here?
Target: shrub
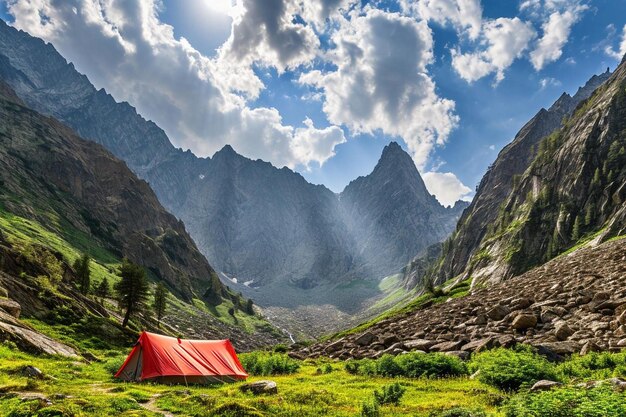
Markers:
(280, 348)
(568, 402)
(418, 365)
(510, 369)
(595, 365)
(262, 363)
(458, 412)
(370, 409)
(389, 394)
(412, 365)
(387, 366)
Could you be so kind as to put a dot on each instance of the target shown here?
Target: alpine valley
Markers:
(375, 301)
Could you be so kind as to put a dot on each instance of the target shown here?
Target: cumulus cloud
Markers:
(121, 44)
(621, 51)
(266, 32)
(549, 82)
(464, 15)
(502, 40)
(446, 187)
(379, 81)
(556, 31)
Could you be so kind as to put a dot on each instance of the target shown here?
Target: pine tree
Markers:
(81, 267)
(132, 289)
(249, 307)
(103, 290)
(576, 229)
(589, 214)
(596, 177)
(160, 301)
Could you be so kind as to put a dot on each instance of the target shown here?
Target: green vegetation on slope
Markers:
(321, 388)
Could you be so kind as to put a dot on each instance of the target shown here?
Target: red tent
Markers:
(172, 361)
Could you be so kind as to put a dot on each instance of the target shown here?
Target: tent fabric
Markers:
(168, 359)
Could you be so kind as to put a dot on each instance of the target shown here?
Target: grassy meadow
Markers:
(430, 385)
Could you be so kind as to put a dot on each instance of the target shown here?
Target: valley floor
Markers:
(318, 388)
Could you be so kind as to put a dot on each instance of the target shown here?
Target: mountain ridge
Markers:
(255, 222)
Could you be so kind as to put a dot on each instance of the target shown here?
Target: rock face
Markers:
(469, 252)
(77, 188)
(579, 297)
(391, 214)
(254, 222)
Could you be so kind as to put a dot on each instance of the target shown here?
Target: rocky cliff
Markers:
(80, 191)
(254, 222)
(463, 253)
(392, 216)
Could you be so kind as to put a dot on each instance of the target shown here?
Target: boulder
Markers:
(524, 321)
(260, 387)
(447, 346)
(544, 385)
(419, 344)
(589, 347)
(31, 372)
(562, 348)
(479, 345)
(11, 307)
(497, 313)
(365, 339)
(562, 331)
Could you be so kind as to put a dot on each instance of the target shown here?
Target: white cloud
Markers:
(121, 44)
(446, 187)
(264, 31)
(381, 81)
(503, 40)
(549, 82)
(618, 53)
(464, 15)
(556, 31)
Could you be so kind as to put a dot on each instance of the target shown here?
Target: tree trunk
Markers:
(126, 317)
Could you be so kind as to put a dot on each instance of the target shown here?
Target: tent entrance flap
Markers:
(171, 361)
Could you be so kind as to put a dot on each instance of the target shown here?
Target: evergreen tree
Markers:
(596, 177)
(81, 267)
(250, 307)
(576, 229)
(589, 214)
(160, 301)
(132, 289)
(103, 290)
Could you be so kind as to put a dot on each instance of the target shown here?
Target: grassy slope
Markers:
(104, 265)
(92, 391)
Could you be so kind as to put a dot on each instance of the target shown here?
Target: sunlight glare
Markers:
(221, 6)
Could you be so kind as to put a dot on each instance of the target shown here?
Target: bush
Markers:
(419, 365)
(595, 365)
(262, 363)
(387, 366)
(510, 369)
(370, 409)
(458, 412)
(568, 402)
(411, 365)
(389, 394)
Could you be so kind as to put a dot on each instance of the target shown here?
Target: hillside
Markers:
(574, 303)
(547, 170)
(257, 224)
(62, 196)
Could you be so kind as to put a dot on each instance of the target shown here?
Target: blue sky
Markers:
(267, 84)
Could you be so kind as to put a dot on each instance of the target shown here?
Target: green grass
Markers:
(93, 392)
(26, 232)
(317, 388)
